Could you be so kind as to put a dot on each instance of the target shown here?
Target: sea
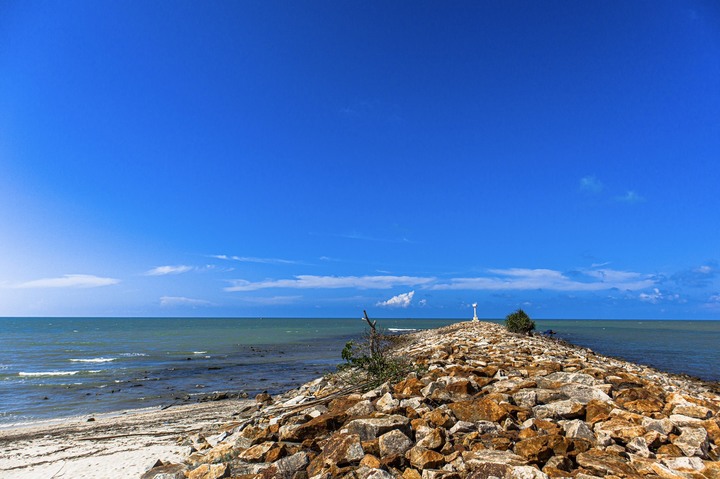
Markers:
(52, 368)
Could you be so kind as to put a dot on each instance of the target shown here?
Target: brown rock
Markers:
(439, 418)
(602, 464)
(340, 450)
(371, 428)
(539, 449)
(411, 473)
(713, 429)
(434, 439)
(478, 410)
(318, 426)
(423, 458)
(409, 387)
(597, 411)
(209, 471)
(567, 409)
(256, 453)
(370, 461)
(165, 471)
(620, 429)
(460, 388)
(669, 450)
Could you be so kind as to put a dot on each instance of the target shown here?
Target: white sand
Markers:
(122, 445)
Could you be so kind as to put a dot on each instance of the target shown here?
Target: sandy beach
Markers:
(120, 445)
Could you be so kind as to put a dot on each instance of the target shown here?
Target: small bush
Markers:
(372, 360)
(519, 322)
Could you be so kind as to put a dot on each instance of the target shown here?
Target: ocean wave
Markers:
(199, 352)
(397, 330)
(93, 360)
(133, 355)
(56, 373)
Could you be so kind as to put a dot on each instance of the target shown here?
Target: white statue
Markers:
(475, 318)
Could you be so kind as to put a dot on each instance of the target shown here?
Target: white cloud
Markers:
(252, 259)
(529, 279)
(657, 296)
(172, 301)
(330, 282)
(591, 184)
(163, 270)
(70, 281)
(272, 300)
(630, 197)
(422, 303)
(399, 301)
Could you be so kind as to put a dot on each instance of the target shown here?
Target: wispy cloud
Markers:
(174, 301)
(534, 279)
(272, 300)
(656, 296)
(253, 259)
(165, 270)
(330, 282)
(70, 281)
(496, 280)
(699, 277)
(400, 301)
(590, 184)
(630, 197)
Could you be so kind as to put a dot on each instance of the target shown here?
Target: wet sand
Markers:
(119, 445)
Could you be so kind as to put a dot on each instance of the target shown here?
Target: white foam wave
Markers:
(199, 352)
(56, 373)
(133, 355)
(93, 360)
(397, 330)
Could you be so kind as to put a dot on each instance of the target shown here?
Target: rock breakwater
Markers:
(487, 403)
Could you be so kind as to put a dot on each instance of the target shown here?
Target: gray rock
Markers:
(487, 427)
(394, 442)
(639, 446)
(566, 378)
(370, 473)
(693, 442)
(387, 403)
(584, 394)
(370, 428)
(362, 408)
(287, 466)
(567, 409)
(462, 427)
(578, 429)
(684, 463)
(526, 398)
(527, 472)
(663, 426)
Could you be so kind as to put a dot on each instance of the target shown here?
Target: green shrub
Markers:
(372, 361)
(519, 322)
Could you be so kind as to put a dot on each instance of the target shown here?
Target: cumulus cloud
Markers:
(70, 281)
(630, 197)
(174, 301)
(532, 279)
(656, 296)
(330, 282)
(164, 270)
(399, 301)
(590, 184)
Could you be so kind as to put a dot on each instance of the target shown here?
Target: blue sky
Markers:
(320, 158)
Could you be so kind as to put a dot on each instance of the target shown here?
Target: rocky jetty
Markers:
(487, 403)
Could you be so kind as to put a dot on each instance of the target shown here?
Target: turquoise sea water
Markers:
(55, 367)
